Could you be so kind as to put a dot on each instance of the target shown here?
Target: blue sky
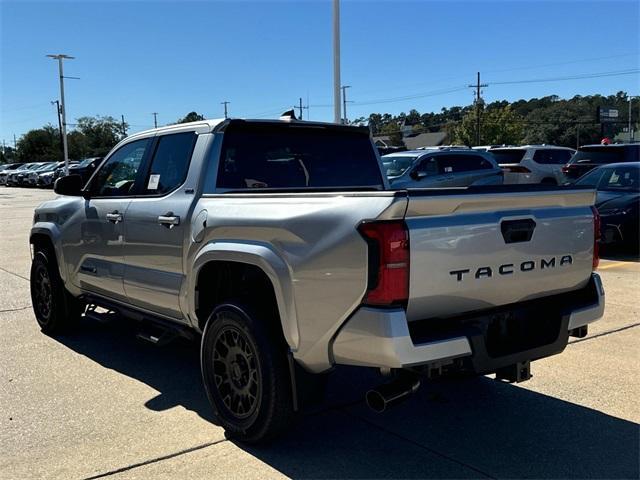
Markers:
(135, 58)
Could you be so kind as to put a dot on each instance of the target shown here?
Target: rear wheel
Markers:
(246, 374)
(56, 310)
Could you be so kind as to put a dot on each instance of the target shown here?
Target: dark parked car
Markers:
(618, 202)
(589, 157)
(85, 168)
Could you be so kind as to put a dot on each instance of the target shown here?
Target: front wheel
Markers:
(55, 309)
(246, 374)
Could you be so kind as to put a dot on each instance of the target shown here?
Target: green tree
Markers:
(498, 125)
(101, 134)
(40, 145)
(393, 131)
(191, 117)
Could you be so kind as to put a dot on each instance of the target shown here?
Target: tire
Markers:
(56, 310)
(246, 374)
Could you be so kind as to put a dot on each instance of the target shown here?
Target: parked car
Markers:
(455, 167)
(31, 178)
(59, 171)
(17, 177)
(591, 156)
(532, 163)
(44, 176)
(618, 202)
(84, 168)
(279, 247)
(5, 170)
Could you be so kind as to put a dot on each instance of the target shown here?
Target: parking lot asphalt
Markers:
(98, 403)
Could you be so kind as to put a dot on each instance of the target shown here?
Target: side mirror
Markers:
(70, 185)
(418, 175)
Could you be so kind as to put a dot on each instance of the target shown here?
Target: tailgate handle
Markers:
(516, 231)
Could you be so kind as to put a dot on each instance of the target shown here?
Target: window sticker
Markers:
(154, 181)
(448, 169)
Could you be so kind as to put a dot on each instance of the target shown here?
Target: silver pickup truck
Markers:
(279, 244)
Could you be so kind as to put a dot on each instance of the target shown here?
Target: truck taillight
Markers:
(566, 169)
(596, 237)
(388, 282)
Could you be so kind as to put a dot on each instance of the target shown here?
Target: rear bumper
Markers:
(476, 342)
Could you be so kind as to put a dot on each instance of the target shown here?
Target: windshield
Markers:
(507, 155)
(86, 162)
(625, 179)
(599, 155)
(396, 165)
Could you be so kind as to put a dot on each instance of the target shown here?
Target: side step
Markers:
(159, 338)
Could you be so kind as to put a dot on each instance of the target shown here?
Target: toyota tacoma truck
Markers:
(279, 245)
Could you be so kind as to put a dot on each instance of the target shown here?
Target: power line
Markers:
(571, 77)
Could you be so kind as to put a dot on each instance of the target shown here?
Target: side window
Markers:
(459, 163)
(170, 163)
(428, 166)
(552, 157)
(117, 176)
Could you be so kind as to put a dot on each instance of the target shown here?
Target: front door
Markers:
(94, 243)
(157, 226)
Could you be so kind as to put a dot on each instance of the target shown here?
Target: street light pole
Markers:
(60, 57)
(336, 62)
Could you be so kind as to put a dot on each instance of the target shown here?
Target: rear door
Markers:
(472, 168)
(472, 251)
(157, 226)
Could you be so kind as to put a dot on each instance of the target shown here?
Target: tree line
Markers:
(549, 120)
(90, 137)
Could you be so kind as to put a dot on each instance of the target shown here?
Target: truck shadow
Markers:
(471, 428)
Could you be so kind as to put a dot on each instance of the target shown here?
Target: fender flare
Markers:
(262, 256)
(52, 232)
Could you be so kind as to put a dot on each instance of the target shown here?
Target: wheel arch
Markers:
(43, 238)
(233, 262)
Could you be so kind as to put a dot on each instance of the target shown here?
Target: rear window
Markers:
(289, 156)
(506, 156)
(601, 155)
(462, 163)
(552, 157)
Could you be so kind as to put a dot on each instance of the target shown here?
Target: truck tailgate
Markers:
(472, 250)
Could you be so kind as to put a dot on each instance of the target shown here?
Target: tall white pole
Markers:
(337, 115)
(63, 109)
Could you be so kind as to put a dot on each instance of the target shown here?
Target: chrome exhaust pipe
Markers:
(393, 393)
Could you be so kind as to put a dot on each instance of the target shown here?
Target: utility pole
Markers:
(60, 57)
(477, 86)
(57, 104)
(344, 102)
(301, 108)
(225, 103)
(155, 119)
(15, 144)
(124, 128)
(336, 61)
(631, 133)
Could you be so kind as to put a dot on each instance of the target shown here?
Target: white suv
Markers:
(532, 163)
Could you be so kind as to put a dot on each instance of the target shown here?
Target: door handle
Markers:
(169, 220)
(114, 217)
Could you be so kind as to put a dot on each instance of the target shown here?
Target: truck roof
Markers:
(218, 124)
